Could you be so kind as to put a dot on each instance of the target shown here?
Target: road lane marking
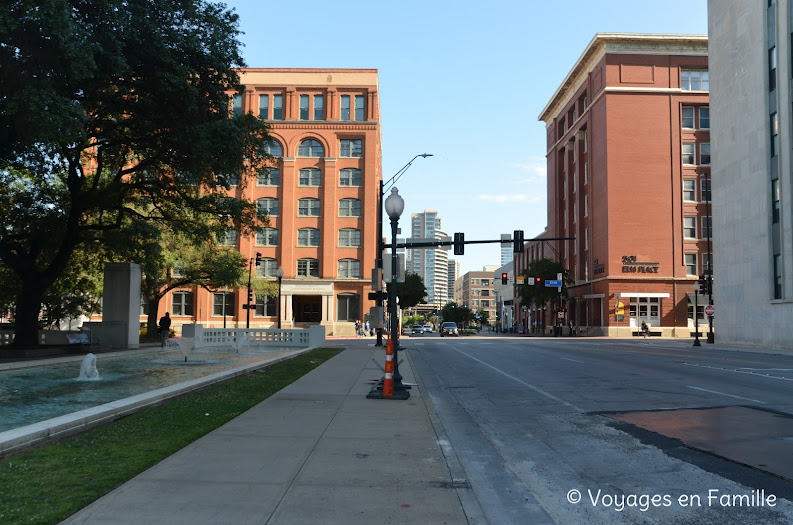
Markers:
(725, 394)
(739, 371)
(573, 360)
(524, 383)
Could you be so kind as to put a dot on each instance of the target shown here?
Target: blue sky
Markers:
(461, 80)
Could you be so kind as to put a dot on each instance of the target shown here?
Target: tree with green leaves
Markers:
(545, 269)
(459, 314)
(411, 292)
(112, 110)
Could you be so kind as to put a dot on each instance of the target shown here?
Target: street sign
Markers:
(520, 280)
(561, 315)
(551, 283)
(709, 310)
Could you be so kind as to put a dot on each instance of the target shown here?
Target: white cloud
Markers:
(535, 168)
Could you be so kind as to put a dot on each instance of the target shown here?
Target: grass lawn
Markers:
(48, 484)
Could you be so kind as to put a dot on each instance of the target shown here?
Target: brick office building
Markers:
(322, 194)
(628, 154)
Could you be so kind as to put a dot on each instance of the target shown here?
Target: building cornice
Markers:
(622, 44)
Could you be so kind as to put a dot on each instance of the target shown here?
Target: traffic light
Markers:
(537, 281)
(703, 284)
(517, 240)
(258, 259)
(504, 278)
(250, 296)
(459, 243)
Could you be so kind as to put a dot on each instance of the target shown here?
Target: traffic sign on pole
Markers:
(551, 283)
(709, 310)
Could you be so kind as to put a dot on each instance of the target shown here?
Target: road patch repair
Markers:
(757, 438)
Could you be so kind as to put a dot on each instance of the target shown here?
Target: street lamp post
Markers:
(394, 205)
(380, 244)
(280, 274)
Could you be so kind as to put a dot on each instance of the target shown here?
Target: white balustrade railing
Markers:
(251, 337)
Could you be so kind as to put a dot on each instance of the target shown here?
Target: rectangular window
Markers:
(350, 177)
(319, 107)
(687, 117)
(309, 177)
(223, 304)
(691, 263)
(268, 177)
(348, 307)
(345, 107)
(689, 149)
(694, 80)
(303, 107)
(351, 148)
(264, 107)
(772, 69)
(707, 228)
(586, 239)
(586, 205)
(182, 303)
(705, 190)
(278, 107)
(268, 268)
(228, 238)
(704, 117)
(359, 107)
(707, 265)
(349, 208)
(690, 227)
(236, 105)
(308, 207)
(704, 153)
(777, 277)
(265, 306)
(775, 201)
(689, 190)
(774, 134)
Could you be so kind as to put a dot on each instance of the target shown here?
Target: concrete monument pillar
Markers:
(121, 305)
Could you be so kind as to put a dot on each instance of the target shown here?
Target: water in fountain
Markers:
(30, 395)
(88, 370)
(185, 344)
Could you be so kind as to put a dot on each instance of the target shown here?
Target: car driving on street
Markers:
(449, 328)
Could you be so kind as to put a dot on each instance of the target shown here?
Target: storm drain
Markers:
(757, 438)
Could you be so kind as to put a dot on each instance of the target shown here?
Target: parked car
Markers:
(417, 329)
(449, 328)
(427, 328)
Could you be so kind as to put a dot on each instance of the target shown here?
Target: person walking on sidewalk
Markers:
(165, 328)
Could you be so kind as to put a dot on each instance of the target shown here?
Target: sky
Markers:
(463, 81)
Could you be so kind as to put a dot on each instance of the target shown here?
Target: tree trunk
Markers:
(26, 313)
(151, 322)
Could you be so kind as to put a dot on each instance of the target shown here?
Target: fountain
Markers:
(185, 344)
(88, 370)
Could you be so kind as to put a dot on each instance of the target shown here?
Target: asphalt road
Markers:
(533, 425)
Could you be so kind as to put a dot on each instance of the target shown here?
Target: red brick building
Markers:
(628, 155)
(322, 195)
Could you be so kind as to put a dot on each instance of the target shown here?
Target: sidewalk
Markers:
(317, 452)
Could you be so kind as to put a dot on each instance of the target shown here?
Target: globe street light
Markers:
(280, 274)
(380, 246)
(394, 206)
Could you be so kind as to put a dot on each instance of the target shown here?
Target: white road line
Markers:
(728, 395)
(573, 360)
(739, 371)
(536, 389)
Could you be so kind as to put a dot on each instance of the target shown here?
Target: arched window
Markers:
(268, 177)
(310, 148)
(349, 237)
(273, 148)
(268, 268)
(349, 208)
(348, 307)
(267, 205)
(308, 208)
(350, 268)
(309, 177)
(308, 267)
(350, 177)
(267, 237)
(308, 237)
